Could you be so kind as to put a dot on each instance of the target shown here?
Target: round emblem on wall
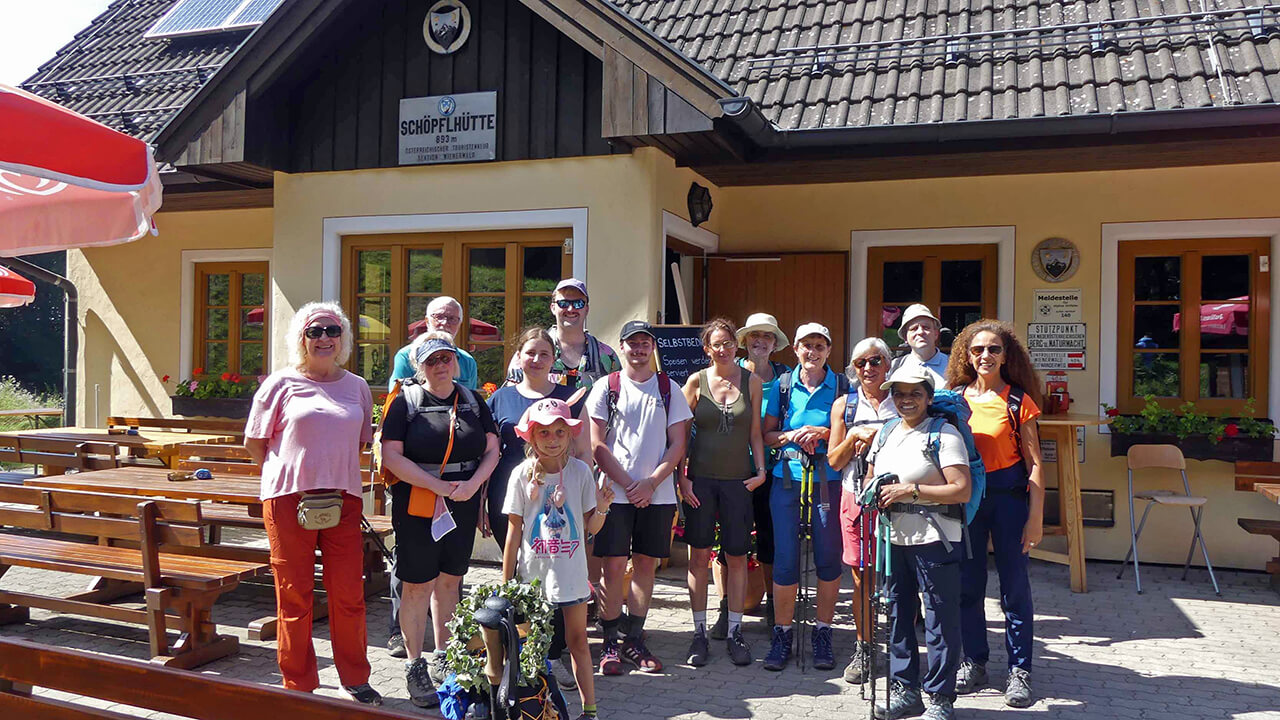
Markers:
(447, 27)
(448, 105)
(1055, 259)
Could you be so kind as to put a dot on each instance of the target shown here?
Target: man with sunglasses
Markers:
(444, 314)
(581, 359)
(920, 330)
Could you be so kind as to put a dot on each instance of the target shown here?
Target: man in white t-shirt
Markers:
(638, 437)
(920, 330)
(924, 505)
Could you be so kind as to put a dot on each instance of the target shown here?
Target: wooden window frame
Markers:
(236, 270)
(932, 256)
(1191, 252)
(455, 281)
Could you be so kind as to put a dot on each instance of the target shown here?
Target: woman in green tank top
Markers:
(719, 479)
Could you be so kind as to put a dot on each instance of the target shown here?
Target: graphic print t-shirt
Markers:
(553, 543)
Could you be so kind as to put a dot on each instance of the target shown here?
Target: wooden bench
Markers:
(56, 455)
(178, 589)
(25, 666)
(212, 427)
(1262, 478)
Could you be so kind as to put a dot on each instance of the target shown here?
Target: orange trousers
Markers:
(293, 562)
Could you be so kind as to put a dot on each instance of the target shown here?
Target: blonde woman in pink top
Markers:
(306, 427)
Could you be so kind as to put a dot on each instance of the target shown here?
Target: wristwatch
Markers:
(915, 492)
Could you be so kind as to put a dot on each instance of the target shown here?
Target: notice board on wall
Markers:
(680, 351)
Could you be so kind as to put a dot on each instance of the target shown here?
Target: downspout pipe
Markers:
(71, 346)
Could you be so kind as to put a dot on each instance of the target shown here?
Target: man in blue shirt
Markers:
(444, 314)
(920, 330)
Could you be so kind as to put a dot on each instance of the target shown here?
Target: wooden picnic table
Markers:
(155, 482)
(32, 414)
(1061, 427)
(160, 444)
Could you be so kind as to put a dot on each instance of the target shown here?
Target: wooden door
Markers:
(793, 287)
(957, 282)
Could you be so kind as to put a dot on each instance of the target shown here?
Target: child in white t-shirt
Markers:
(551, 505)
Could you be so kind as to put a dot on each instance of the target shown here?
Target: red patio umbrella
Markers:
(1223, 318)
(67, 181)
(15, 290)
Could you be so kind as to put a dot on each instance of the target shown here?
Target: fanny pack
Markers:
(320, 511)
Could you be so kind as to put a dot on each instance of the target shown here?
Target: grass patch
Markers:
(15, 397)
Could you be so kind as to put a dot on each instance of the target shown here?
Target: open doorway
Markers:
(682, 283)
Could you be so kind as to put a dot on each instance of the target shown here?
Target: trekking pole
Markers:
(806, 548)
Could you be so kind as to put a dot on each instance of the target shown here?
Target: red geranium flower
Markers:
(198, 371)
(164, 379)
(235, 377)
(226, 376)
(1231, 430)
(1113, 412)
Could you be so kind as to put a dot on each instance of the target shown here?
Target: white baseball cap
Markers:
(812, 328)
(911, 374)
(913, 313)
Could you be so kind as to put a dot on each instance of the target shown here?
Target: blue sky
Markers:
(31, 32)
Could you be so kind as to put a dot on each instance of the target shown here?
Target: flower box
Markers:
(237, 408)
(1198, 447)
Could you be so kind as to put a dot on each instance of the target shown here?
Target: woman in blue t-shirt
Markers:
(535, 355)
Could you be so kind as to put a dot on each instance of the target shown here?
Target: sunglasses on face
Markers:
(876, 361)
(977, 350)
(315, 331)
(438, 359)
(576, 304)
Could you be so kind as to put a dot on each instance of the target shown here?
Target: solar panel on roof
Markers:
(194, 17)
(255, 12)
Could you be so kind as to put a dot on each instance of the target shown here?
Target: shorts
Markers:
(631, 530)
(727, 502)
(784, 504)
(851, 531)
(421, 559)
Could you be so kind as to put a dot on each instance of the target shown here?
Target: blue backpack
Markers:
(949, 406)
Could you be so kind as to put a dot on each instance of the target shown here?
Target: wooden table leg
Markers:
(1069, 492)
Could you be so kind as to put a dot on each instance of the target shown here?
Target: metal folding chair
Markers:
(1168, 457)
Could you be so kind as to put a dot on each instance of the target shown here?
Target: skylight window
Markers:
(198, 17)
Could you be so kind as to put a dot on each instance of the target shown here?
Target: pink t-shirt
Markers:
(314, 432)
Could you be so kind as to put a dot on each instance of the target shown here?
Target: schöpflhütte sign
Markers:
(448, 128)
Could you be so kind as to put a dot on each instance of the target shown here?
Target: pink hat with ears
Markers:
(546, 412)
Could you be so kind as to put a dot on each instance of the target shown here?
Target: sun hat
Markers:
(572, 284)
(909, 373)
(429, 347)
(763, 322)
(812, 328)
(635, 327)
(913, 313)
(547, 411)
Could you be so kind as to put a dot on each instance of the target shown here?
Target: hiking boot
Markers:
(363, 694)
(824, 657)
(739, 650)
(720, 630)
(418, 680)
(610, 661)
(438, 668)
(395, 647)
(779, 650)
(637, 653)
(1018, 692)
(565, 676)
(970, 677)
(941, 707)
(855, 673)
(699, 649)
(904, 701)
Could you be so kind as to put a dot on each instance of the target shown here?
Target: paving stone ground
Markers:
(1176, 652)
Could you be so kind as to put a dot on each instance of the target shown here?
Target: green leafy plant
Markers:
(226, 385)
(1186, 421)
(530, 604)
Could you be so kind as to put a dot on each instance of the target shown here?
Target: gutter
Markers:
(764, 133)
